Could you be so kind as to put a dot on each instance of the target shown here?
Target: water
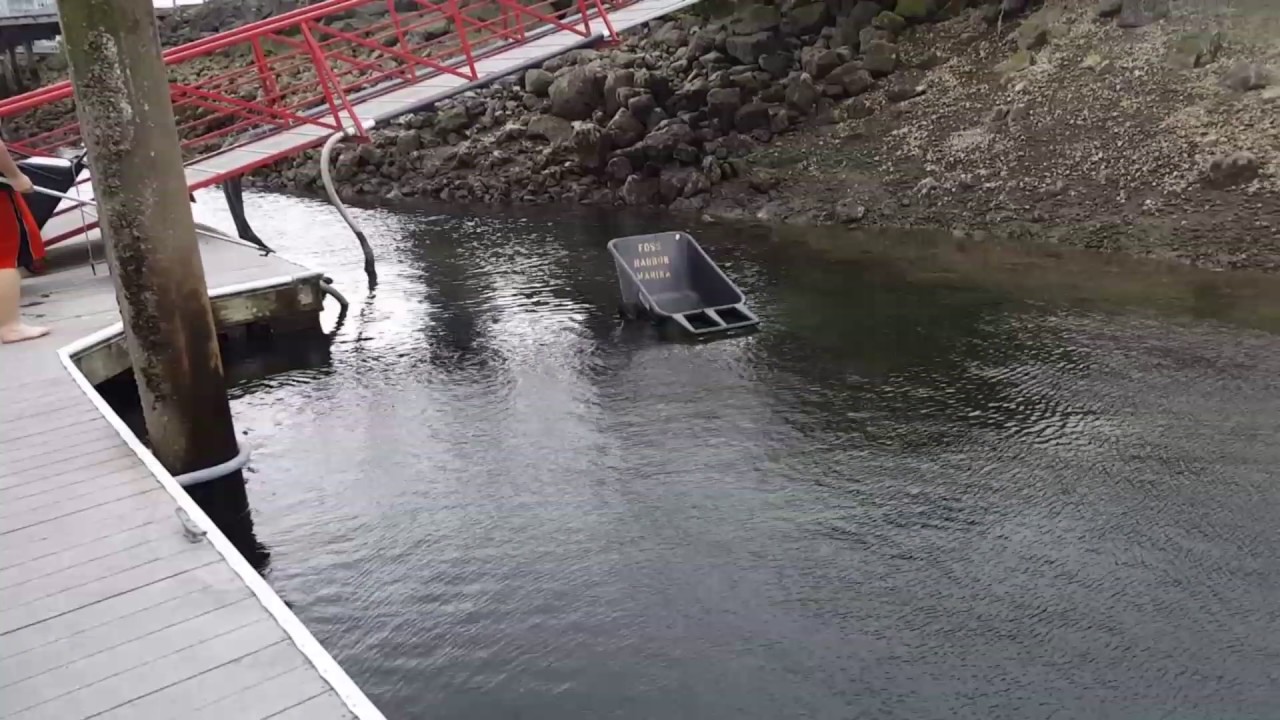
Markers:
(943, 481)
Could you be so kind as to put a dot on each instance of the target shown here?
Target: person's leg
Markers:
(12, 329)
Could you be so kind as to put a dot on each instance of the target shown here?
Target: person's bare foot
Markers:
(18, 333)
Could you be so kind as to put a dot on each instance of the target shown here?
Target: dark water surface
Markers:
(940, 482)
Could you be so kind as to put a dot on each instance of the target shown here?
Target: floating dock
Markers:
(111, 607)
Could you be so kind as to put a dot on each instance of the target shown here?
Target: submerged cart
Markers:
(667, 277)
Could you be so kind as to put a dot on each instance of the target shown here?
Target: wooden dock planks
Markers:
(107, 609)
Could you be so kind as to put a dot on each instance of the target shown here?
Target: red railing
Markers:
(308, 67)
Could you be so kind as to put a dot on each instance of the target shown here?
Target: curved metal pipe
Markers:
(326, 177)
(235, 464)
(328, 289)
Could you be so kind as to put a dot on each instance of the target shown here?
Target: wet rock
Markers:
(801, 93)
(747, 49)
(618, 168)
(1018, 62)
(639, 191)
(889, 22)
(807, 20)
(752, 117)
(576, 94)
(881, 58)
(407, 142)
(624, 129)
(851, 78)
(549, 128)
(755, 18)
(452, 119)
(819, 62)
(671, 36)
(1246, 76)
(916, 10)
(696, 183)
(1230, 170)
(641, 106)
(1109, 8)
(702, 43)
(537, 82)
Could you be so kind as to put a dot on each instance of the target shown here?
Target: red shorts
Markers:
(20, 243)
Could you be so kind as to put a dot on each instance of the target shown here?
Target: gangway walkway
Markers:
(308, 74)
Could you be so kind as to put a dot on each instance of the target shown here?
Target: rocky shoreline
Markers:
(1121, 125)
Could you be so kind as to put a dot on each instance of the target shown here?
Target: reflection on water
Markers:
(940, 482)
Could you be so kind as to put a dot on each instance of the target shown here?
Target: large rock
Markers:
(862, 15)
(802, 94)
(576, 94)
(639, 191)
(755, 18)
(549, 128)
(852, 78)
(890, 21)
(618, 167)
(624, 129)
(747, 49)
(723, 104)
(807, 20)
(671, 36)
(452, 119)
(538, 81)
(1231, 170)
(916, 10)
(881, 58)
(614, 82)
(1246, 76)
(753, 116)
(587, 141)
(407, 142)
(661, 144)
(776, 64)
(819, 62)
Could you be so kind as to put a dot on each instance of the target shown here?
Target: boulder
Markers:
(752, 116)
(588, 144)
(1231, 170)
(641, 106)
(807, 20)
(776, 64)
(881, 58)
(660, 144)
(549, 128)
(407, 142)
(624, 129)
(671, 36)
(903, 91)
(723, 104)
(618, 167)
(849, 211)
(1246, 76)
(819, 62)
(890, 22)
(538, 81)
(639, 191)
(916, 10)
(862, 15)
(747, 49)
(452, 119)
(614, 82)
(870, 35)
(851, 78)
(755, 18)
(802, 94)
(1012, 7)
(576, 94)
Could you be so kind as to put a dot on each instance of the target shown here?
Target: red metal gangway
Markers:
(304, 75)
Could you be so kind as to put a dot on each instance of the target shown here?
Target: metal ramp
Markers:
(305, 75)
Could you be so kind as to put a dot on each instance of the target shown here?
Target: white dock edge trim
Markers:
(302, 638)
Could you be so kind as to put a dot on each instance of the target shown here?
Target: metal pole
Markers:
(122, 101)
